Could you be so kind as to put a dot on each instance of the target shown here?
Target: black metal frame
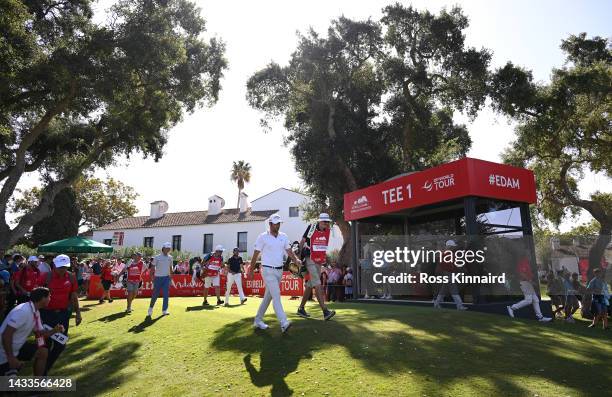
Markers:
(471, 230)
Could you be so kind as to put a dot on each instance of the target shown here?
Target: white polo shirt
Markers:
(272, 248)
(163, 265)
(22, 319)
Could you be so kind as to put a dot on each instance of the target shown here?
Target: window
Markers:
(294, 212)
(242, 242)
(176, 243)
(208, 243)
(148, 242)
(108, 241)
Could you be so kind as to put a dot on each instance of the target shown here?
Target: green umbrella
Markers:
(74, 245)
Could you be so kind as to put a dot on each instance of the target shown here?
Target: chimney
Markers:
(215, 205)
(244, 204)
(158, 209)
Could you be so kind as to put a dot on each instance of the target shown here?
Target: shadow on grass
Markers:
(99, 376)
(199, 308)
(113, 317)
(146, 323)
(443, 346)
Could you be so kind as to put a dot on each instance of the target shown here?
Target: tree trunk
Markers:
(596, 253)
(345, 256)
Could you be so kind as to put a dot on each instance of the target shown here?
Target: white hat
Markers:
(41, 257)
(61, 261)
(219, 248)
(324, 217)
(451, 243)
(274, 219)
(167, 245)
(33, 258)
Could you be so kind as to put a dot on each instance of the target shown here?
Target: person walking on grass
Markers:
(212, 268)
(272, 245)
(235, 268)
(529, 295)
(446, 269)
(314, 246)
(161, 269)
(134, 279)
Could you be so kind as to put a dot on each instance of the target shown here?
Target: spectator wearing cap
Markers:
(15, 330)
(235, 268)
(161, 271)
(134, 279)
(64, 301)
(43, 266)
(213, 267)
(272, 245)
(313, 247)
(27, 279)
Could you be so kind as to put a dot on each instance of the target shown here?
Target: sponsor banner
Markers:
(118, 239)
(461, 178)
(182, 285)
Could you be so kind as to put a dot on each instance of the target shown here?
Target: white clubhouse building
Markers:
(197, 232)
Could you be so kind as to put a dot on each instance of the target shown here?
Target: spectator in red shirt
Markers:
(134, 279)
(107, 280)
(27, 279)
(63, 287)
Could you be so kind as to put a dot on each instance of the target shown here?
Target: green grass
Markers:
(368, 349)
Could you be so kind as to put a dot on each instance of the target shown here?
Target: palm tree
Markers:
(241, 174)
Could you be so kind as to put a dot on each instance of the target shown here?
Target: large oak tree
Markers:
(74, 94)
(564, 130)
(372, 99)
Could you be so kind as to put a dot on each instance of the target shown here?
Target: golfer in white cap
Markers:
(272, 245)
(447, 268)
(162, 269)
(213, 267)
(315, 241)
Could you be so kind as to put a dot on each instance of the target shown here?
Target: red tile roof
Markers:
(189, 218)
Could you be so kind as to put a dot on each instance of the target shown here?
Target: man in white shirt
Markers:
(161, 271)
(272, 245)
(43, 267)
(16, 328)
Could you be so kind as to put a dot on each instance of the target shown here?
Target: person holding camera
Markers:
(16, 328)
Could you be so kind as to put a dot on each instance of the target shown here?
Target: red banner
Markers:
(461, 178)
(182, 285)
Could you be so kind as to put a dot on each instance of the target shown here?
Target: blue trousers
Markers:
(161, 283)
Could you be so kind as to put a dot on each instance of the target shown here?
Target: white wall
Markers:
(226, 234)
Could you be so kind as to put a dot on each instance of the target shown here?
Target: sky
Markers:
(201, 149)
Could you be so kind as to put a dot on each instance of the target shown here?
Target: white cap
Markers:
(61, 261)
(167, 245)
(33, 258)
(274, 219)
(219, 248)
(451, 243)
(324, 217)
(41, 257)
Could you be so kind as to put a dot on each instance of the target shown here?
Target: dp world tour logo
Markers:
(440, 183)
(361, 204)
